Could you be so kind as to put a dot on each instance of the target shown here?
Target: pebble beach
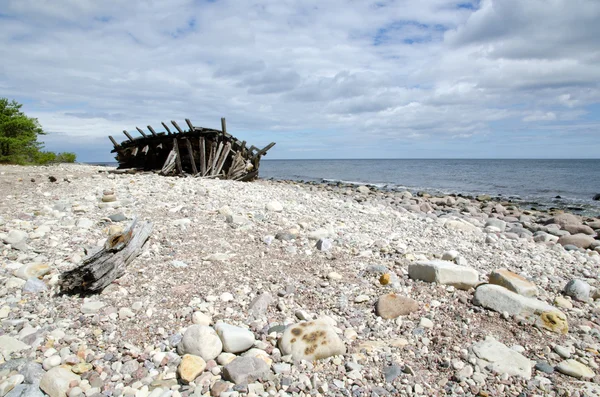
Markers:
(281, 288)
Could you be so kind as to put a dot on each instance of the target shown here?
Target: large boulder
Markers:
(56, 382)
(501, 300)
(579, 240)
(564, 219)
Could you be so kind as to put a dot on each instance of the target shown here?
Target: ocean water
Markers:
(542, 184)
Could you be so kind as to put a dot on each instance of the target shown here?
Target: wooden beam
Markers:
(221, 161)
(189, 123)
(166, 128)
(127, 135)
(264, 150)
(202, 156)
(178, 158)
(191, 154)
(115, 144)
(224, 126)
(141, 132)
(216, 158)
(152, 130)
(176, 126)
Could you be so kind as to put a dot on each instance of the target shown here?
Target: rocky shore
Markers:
(287, 289)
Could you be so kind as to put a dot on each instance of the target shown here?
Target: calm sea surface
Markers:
(532, 182)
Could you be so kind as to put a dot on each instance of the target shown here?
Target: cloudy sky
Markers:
(322, 78)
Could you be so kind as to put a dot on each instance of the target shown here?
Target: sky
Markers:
(322, 78)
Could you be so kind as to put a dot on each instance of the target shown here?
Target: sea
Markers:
(540, 184)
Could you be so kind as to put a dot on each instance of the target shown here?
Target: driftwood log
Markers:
(198, 151)
(101, 268)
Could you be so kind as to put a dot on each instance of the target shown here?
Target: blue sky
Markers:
(322, 78)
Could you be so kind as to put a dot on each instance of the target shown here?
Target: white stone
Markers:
(444, 272)
(234, 339)
(425, 323)
(274, 206)
(226, 297)
(51, 362)
(10, 384)
(361, 298)
(91, 307)
(200, 340)
(84, 223)
(201, 318)
(36, 270)
(501, 359)
(56, 382)
(334, 276)
(15, 237)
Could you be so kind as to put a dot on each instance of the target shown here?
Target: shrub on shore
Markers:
(18, 138)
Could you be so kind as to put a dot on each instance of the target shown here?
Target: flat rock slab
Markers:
(245, 370)
(311, 341)
(501, 359)
(9, 345)
(500, 299)
(575, 369)
(391, 306)
(513, 282)
(444, 272)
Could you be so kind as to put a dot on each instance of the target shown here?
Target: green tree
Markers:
(18, 138)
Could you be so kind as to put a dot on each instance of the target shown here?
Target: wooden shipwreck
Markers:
(197, 151)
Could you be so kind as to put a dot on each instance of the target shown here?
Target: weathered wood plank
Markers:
(178, 158)
(224, 126)
(222, 159)
(152, 130)
(109, 263)
(202, 156)
(191, 154)
(264, 150)
(216, 158)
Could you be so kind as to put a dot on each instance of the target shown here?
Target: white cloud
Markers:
(347, 70)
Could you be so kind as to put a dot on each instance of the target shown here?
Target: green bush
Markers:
(66, 157)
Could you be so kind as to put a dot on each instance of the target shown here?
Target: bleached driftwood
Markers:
(109, 263)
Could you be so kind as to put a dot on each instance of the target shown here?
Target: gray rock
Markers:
(444, 272)
(260, 304)
(200, 340)
(324, 244)
(392, 372)
(9, 345)
(34, 286)
(130, 367)
(576, 229)
(15, 237)
(117, 217)
(500, 299)
(234, 339)
(497, 223)
(25, 390)
(501, 359)
(245, 370)
(578, 290)
(544, 367)
(32, 372)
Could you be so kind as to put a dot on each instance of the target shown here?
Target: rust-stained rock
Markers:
(553, 321)
(313, 340)
(513, 282)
